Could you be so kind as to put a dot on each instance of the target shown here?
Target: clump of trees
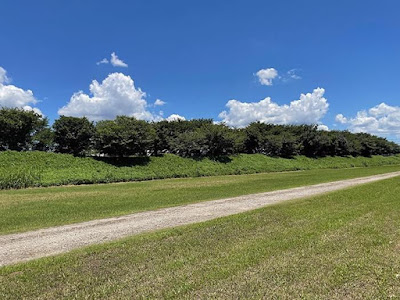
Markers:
(126, 136)
(123, 136)
(73, 135)
(22, 130)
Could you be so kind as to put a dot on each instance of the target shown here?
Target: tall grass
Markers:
(19, 177)
(27, 169)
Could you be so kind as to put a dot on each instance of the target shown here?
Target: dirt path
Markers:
(45, 242)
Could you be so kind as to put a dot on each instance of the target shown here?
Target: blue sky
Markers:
(197, 55)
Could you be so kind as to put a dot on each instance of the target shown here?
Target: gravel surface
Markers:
(55, 240)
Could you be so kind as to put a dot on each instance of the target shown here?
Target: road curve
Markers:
(55, 240)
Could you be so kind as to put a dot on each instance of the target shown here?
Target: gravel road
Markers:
(55, 240)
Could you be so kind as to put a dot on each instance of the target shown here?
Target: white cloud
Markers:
(265, 76)
(13, 96)
(381, 120)
(323, 127)
(115, 95)
(3, 76)
(175, 117)
(292, 74)
(34, 109)
(159, 102)
(116, 62)
(341, 119)
(103, 61)
(308, 110)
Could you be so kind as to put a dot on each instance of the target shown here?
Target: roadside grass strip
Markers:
(29, 209)
(339, 245)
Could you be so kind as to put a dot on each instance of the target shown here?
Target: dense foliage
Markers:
(126, 136)
(123, 136)
(20, 129)
(72, 135)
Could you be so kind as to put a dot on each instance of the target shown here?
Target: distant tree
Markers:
(289, 146)
(340, 145)
(218, 140)
(43, 140)
(165, 134)
(254, 141)
(313, 143)
(124, 136)
(190, 144)
(271, 140)
(17, 128)
(73, 135)
(169, 134)
(239, 136)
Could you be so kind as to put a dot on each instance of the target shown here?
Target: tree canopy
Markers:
(18, 128)
(126, 136)
(73, 135)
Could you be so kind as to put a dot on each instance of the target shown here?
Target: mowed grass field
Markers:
(342, 245)
(34, 168)
(28, 209)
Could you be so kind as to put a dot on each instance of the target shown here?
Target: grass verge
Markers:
(28, 209)
(25, 169)
(340, 245)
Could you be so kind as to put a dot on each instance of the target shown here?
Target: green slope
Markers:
(24, 169)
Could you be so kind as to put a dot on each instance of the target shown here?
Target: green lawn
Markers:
(27, 209)
(342, 245)
(34, 168)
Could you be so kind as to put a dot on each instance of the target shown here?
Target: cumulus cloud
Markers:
(115, 95)
(159, 102)
(323, 127)
(381, 120)
(34, 109)
(341, 119)
(265, 76)
(114, 60)
(13, 96)
(309, 109)
(175, 117)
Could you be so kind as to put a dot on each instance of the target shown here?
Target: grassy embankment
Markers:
(27, 169)
(28, 209)
(335, 246)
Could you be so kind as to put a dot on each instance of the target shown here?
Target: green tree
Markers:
(217, 140)
(254, 140)
(190, 144)
(17, 128)
(124, 136)
(73, 135)
(43, 140)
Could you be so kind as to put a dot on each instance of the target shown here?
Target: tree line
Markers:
(22, 130)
